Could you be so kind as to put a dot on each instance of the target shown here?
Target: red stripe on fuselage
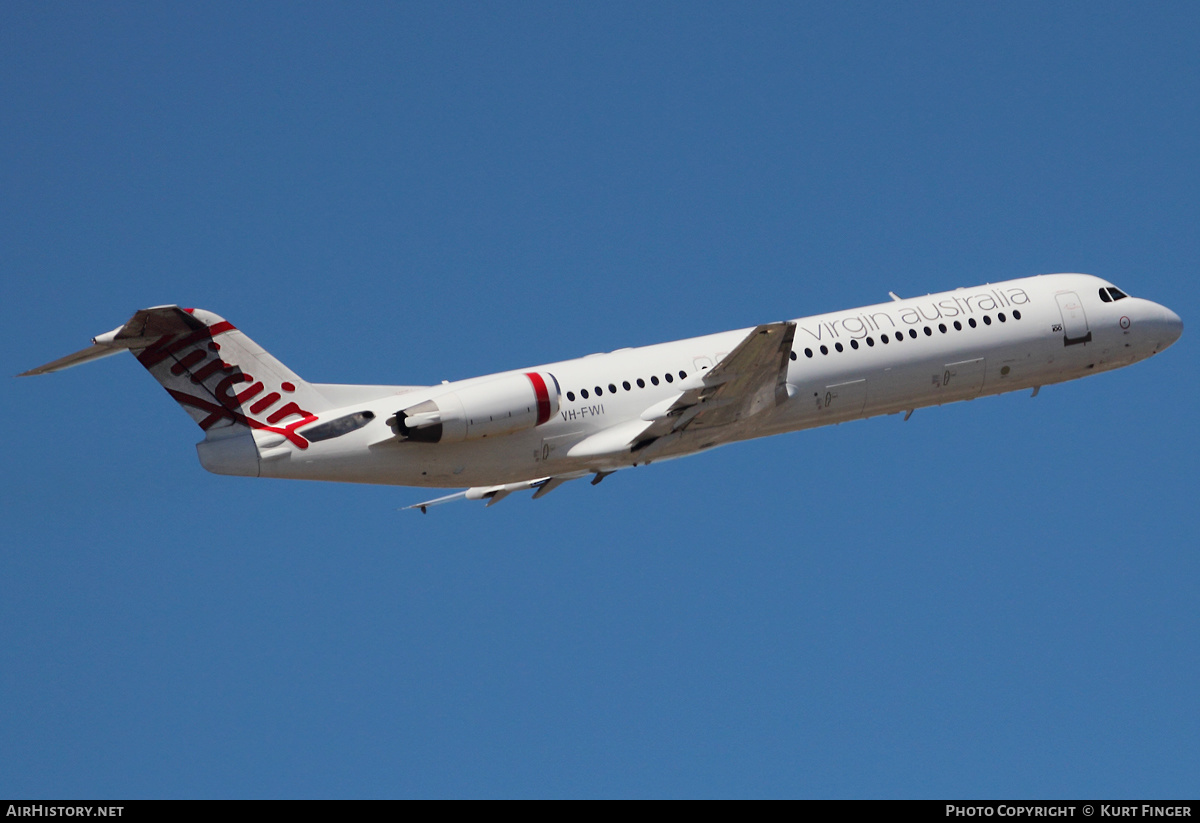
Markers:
(543, 396)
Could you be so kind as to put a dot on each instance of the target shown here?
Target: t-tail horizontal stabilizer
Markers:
(225, 381)
(103, 345)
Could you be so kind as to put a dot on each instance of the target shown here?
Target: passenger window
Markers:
(641, 383)
(987, 320)
(912, 333)
(824, 350)
(583, 393)
(626, 385)
(957, 326)
(870, 342)
(571, 396)
(792, 355)
(612, 389)
(808, 352)
(654, 380)
(670, 379)
(942, 328)
(839, 347)
(972, 322)
(854, 344)
(1016, 314)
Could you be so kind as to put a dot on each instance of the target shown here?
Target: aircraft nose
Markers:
(1168, 326)
(1172, 325)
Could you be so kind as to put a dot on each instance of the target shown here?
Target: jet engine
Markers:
(501, 406)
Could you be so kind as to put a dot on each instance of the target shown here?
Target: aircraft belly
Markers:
(440, 465)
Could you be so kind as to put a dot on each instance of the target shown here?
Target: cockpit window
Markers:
(1110, 294)
(338, 427)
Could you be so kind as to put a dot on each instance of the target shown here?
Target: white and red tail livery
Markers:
(535, 428)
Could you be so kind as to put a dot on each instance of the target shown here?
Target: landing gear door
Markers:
(1075, 325)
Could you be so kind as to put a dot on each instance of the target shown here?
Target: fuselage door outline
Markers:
(1075, 324)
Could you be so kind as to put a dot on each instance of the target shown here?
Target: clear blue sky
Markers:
(996, 598)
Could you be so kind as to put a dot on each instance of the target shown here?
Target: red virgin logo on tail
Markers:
(224, 401)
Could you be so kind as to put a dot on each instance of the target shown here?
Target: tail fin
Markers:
(223, 379)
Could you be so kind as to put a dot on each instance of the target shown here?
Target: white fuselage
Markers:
(880, 359)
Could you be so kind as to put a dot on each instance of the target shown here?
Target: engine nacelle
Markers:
(501, 406)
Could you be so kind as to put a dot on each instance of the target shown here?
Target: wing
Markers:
(494, 494)
(749, 380)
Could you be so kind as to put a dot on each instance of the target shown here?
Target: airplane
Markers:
(539, 427)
